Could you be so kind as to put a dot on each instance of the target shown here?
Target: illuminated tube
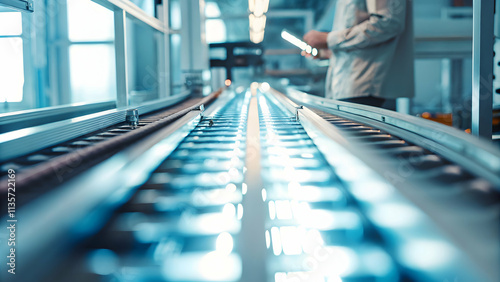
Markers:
(299, 43)
(258, 7)
(257, 24)
(256, 37)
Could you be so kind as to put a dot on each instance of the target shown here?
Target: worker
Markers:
(371, 51)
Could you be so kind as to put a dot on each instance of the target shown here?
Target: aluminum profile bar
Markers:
(24, 141)
(477, 155)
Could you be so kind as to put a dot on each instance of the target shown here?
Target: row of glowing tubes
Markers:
(257, 19)
(222, 264)
(304, 239)
(322, 262)
(330, 263)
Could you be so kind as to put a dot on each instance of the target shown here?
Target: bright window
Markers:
(212, 10)
(11, 69)
(91, 52)
(11, 57)
(88, 21)
(10, 23)
(92, 71)
(215, 29)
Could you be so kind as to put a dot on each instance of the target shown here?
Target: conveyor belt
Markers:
(190, 202)
(431, 171)
(332, 213)
(310, 210)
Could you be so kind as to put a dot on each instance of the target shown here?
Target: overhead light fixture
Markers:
(257, 24)
(256, 37)
(258, 7)
(257, 19)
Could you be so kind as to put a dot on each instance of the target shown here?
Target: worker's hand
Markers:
(307, 55)
(316, 39)
(322, 54)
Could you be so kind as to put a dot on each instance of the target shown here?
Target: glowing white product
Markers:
(276, 239)
(229, 210)
(291, 239)
(224, 244)
(283, 209)
(299, 43)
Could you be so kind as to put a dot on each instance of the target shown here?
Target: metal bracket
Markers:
(132, 117)
(297, 108)
(201, 109)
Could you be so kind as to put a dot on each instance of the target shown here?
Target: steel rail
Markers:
(449, 210)
(476, 155)
(23, 141)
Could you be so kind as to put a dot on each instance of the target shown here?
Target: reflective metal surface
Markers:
(476, 155)
(183, 223)
(314, 230)
(259, 188)
(421, 182)
(78, 208)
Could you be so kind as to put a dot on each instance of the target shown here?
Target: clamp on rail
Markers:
(201, 108)
(297, 108)
(132, 118)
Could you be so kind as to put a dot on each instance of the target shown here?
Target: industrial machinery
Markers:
(253, 185)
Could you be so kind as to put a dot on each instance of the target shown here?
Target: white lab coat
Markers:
(372, 50)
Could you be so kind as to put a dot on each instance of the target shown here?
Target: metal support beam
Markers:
(164, 54)
(121, 58)
(456, 92)
(482, 68)
(452, 84)
(194, 47)
(133, 11)
(60, 72)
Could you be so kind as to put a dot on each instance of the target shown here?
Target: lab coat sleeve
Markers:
(386, 21)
